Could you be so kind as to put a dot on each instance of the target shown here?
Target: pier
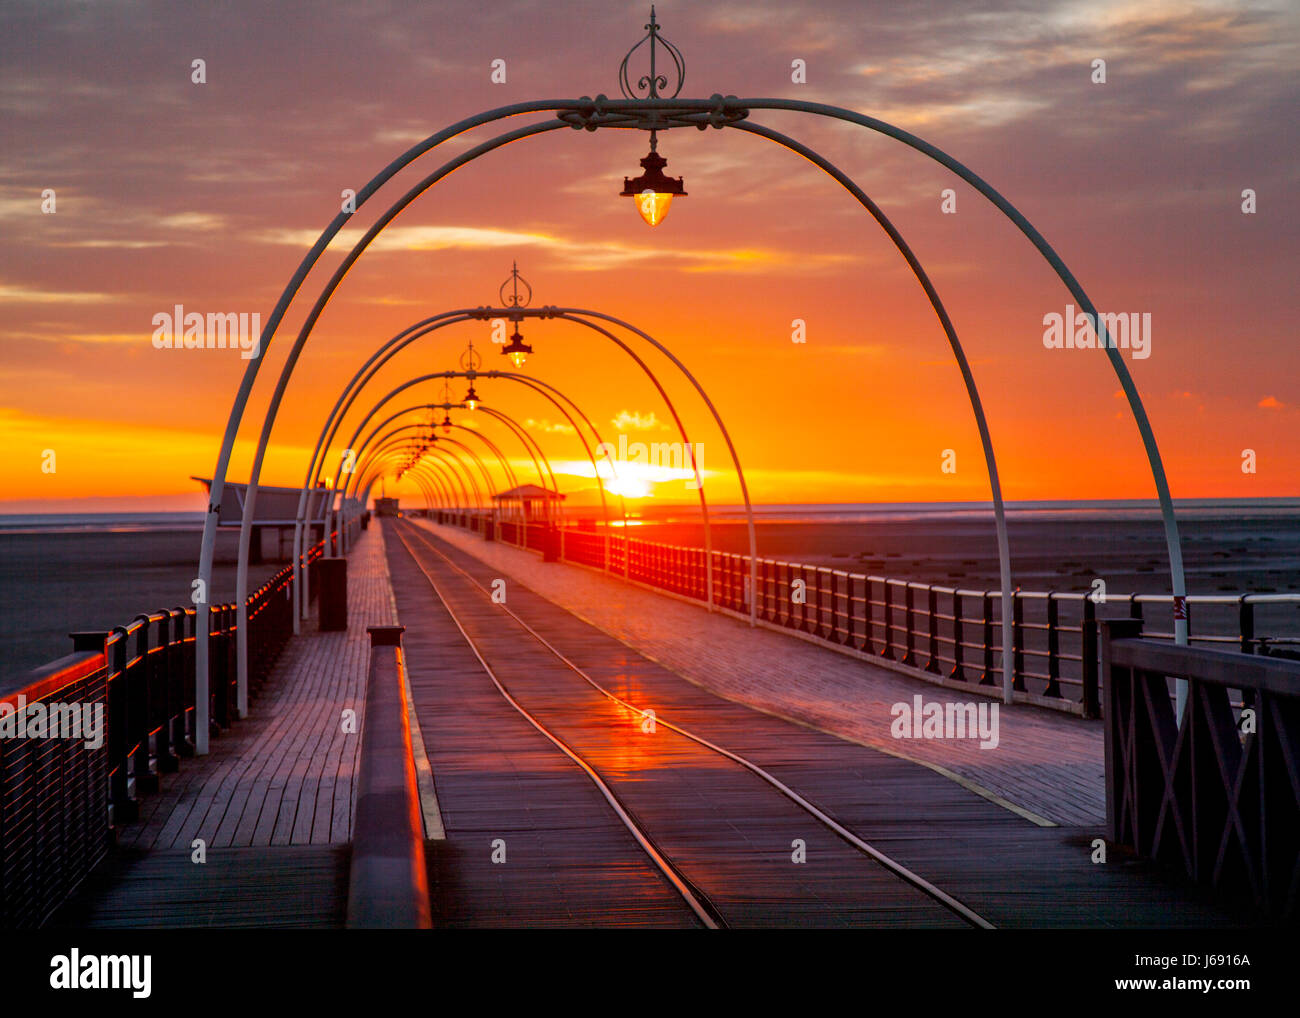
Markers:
(590, 751)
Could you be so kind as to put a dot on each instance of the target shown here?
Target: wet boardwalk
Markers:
(1046, 763)
(747, 849)
(586, 760)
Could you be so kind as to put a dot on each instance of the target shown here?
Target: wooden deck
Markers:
(288, 887)
(730, 833)
(272, 802)
(283, 776)
(1048, 764)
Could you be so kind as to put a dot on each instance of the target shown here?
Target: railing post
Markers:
(909, 629)
(1018, 646)
(1117, 776)
(958, 650)
(887, 651)
(221, 688)
(848, 610)
(868, 615)
(169, 633)
(1091, 669)
(1053, 646)
(141, 713)
(125, 809)
(932, 609)
(987, 677)
(1246, 623)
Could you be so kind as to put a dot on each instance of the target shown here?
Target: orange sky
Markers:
(207, 195)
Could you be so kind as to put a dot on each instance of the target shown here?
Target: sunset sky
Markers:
(207, 195)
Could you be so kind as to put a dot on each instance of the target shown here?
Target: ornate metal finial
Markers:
(471, 360)
(648, 86)
(515, 300)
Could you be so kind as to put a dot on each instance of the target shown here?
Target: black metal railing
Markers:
(1216, 795)
(946, 634)
(60, 799)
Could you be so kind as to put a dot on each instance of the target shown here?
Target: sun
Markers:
(629, 487)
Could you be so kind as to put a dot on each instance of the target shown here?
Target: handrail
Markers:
(1219, 804)
(64, 796)
(943, 633)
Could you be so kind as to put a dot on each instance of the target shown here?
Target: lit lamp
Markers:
(471, 398)
(517, 350)
(654, 192)
(446, 423)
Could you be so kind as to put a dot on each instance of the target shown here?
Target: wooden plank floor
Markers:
(283, 775)
(735, 843)
(1049, 763)
(568, 861)
(727, 831)
(273, 801)
(299, 886)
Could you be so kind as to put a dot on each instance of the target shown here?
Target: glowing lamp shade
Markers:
(653, 191)
(446, 424)
(517, 350)
(471, 399)
(653, 206)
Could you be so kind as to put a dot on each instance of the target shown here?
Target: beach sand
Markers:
(53, 584)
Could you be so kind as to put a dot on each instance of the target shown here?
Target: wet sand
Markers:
(1221, 554)
(55, 584)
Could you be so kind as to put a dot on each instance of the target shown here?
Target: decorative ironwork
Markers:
(514, 300)
(648, 86)
(717, 111)
(470, 361)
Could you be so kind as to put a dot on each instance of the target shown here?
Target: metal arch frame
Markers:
(524, 437)
(530, 444)
(386, 440)
(963, 364)
(469, 493)
(446, 456)
(493, 448)
(427, 480)
(435, 474)
(425, 487)
(535, 384)
(382, 442)
(446, 469)
(430, 496)
(589, 114)
(448, 492)
(546, 389)
(299, 601)
(426, 326)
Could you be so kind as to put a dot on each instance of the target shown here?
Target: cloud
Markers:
(1271, 403)
(549, 427)
(634, 420)
(26, 295)
(573, 254)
